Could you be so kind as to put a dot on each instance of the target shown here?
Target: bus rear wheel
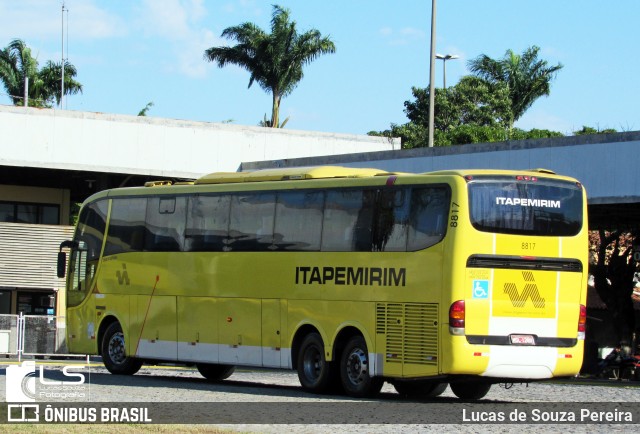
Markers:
(314, 371)
(420, 389)
(214, 372)
(355, 370)
(471, 390)
(113, 352)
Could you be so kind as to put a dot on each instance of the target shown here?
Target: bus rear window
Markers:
(542, 207)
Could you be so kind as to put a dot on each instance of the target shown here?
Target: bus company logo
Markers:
(25, 384)
(516, 201)
(360, 276)
(123, 276)
(519, 299)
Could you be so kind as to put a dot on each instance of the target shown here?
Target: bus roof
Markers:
(286, 174)
(540, 173)
(334, 172)
(464, 172)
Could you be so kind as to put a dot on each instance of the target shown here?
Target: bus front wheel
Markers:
(213, 372)
(355, 370)
(114, 354)
(314, 372)
(471, 390)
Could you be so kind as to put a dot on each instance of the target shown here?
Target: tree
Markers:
(17, 63)
(50, 75)
(412, 135)
(526, 76)
(613, 267)
(469, 112)
(471, 101)
(267, 123)
(146, 109)
(276, 60)
(535, 133)
(590, 130)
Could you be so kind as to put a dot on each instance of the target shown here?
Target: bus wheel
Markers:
(354, 370)
(213, 372)
(471, 390)
(314, 372)
(113, 352)
(420, 389)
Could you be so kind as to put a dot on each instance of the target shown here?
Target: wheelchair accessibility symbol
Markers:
(480, 289)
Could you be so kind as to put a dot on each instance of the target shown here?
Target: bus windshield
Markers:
(526, 207)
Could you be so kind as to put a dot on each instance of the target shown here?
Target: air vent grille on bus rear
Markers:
(411, 331)
(522, 263)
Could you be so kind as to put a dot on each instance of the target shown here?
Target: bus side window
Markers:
(251, 222)
(392, 220)
(348, 220)
(428, 218)
(298, 224)
(92, 223)
(207, 223)
(84, 258)
(127, 226)
(166, 219)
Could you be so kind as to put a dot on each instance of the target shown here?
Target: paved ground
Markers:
(258, 390)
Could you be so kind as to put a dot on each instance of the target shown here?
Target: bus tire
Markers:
(354, 370)
(420, 389)
(214, 372)
(470, 390)
(314, 372)
(113, 352)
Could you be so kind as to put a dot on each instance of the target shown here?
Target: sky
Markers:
(132, 52)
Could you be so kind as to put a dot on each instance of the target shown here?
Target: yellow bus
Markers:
(350, 276)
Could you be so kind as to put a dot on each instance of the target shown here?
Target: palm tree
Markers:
(527, 77)
(50, 75)
(274, 60)
(16, 64)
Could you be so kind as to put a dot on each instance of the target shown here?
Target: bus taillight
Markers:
(456, 318)
(582, 322)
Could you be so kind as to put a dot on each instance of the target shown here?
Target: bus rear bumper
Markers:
(530, 363)
(523, 372)
(517, 362)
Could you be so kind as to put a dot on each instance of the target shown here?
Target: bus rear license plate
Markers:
(522, 340)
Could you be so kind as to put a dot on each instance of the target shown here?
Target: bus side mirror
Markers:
(62, 264)
(62, 257)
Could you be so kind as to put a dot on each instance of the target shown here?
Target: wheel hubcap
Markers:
(116, 348)
(357, 366)
(312, 364)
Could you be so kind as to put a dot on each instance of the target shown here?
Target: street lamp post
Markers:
(432, 73)
(444, 58)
